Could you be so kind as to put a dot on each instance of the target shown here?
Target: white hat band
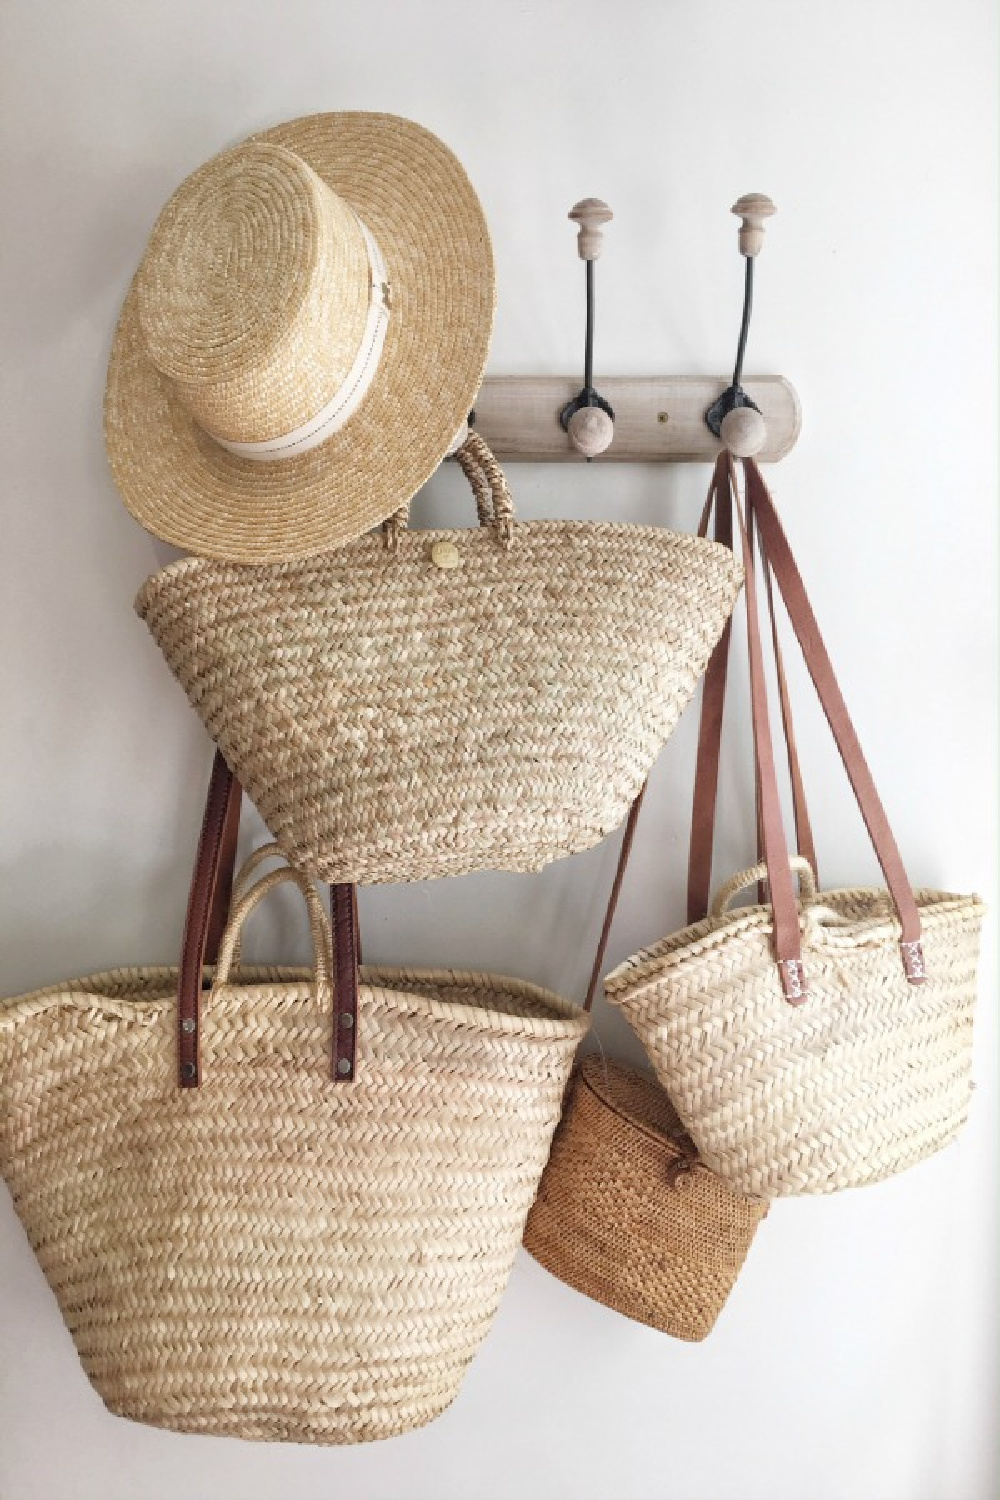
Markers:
(349, 396)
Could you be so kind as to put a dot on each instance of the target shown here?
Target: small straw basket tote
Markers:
(428, 703)
(811, 1043)
(272, 1255)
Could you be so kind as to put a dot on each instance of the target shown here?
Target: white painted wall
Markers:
(855, 1359)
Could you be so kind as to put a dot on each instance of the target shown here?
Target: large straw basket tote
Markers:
(272, 1254)
(628, 1215)
(429, 703)
(815, 1043)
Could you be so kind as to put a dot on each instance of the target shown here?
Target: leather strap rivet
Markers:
(344, 1066)
(187, 1025)
(189, 1071)
(347, 1021)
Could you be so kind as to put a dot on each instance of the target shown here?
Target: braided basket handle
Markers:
(319, 927)
(494, 502)
(252, 863)
(758, 873)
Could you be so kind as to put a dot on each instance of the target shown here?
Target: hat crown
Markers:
(253, 292)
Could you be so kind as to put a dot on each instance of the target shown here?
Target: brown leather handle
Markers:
(609, 915)
(720, 497)
(784, 905)
(713, 699)
(775, 545)
(208, 905)
(804, 840)
(346, 958)
(207, 912)
(776, 558)
(706, 781)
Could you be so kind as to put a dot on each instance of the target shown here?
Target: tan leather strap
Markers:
(800, 812)
(208, 906)
(706, 781)
(609, 915)
(803, 825)
(207, 913)
(784, 905)
(775, 546)
(223, 893)
(721, 498)
(708, 750)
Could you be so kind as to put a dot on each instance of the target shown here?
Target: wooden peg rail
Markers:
(658, 418)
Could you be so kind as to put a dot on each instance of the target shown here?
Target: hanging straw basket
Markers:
(273, 1255)
(867, 1077)
(429, 703)
(822, 1040)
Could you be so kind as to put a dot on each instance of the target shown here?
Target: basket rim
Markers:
(85, 993)
(689, 945)
(661, 536)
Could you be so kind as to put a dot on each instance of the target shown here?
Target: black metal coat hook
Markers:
(752, 209)
(591, 435)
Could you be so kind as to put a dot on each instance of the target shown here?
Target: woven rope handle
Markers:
(476, 449)
(242, 883)
(494, 502)
(253, 861)
(478, 483)
(319, 927)
(757, 873)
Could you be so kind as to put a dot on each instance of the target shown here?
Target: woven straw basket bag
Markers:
(816, 1043)
(429, 703)
(626, 1213)
(272, 1255)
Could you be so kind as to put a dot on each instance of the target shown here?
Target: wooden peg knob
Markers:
(590, 431)
(590, 214)
(743, 431)
(753, 209)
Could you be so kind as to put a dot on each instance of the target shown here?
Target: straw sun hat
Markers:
(303, 339)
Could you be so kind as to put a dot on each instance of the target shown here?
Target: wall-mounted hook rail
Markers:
(658, 418)
(734, 418)
(672, 418)
(589, 419)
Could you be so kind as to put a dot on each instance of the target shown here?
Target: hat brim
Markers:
(415, 197)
